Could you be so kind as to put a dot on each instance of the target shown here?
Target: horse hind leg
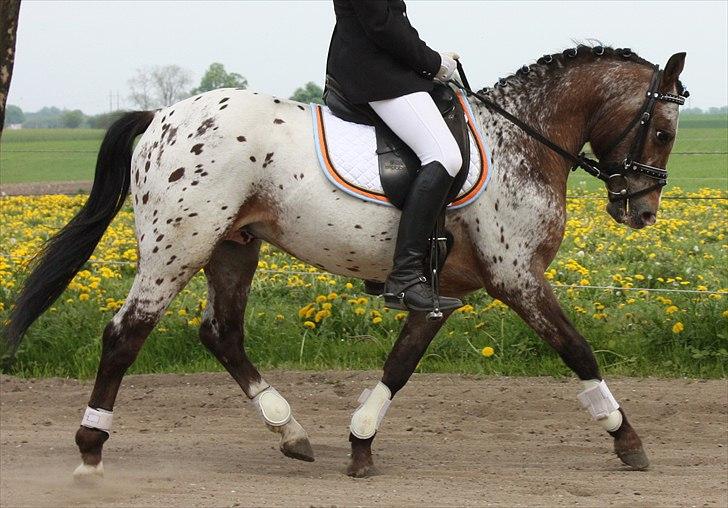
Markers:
(122, 340)
(229, 275)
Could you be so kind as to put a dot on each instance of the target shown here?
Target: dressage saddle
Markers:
(398, 164)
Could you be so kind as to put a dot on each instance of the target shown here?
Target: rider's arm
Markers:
(391, 31)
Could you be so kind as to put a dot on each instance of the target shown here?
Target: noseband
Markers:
(614, 173)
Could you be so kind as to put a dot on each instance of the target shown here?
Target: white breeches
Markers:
(416, 120)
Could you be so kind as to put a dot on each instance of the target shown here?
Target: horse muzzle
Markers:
(634, 216)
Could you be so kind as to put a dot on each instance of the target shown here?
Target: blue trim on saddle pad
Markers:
(322, 163)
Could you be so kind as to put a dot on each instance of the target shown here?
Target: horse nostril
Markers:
(648, 218)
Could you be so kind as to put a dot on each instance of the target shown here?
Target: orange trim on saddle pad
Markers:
(324, 151)
(338, 179)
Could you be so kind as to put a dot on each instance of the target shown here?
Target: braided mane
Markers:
(579, 54)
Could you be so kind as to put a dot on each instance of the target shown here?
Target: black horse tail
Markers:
(65, 254)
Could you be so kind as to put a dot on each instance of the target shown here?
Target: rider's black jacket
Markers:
(375, 53)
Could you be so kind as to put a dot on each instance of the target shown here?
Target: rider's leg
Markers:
(417, 121)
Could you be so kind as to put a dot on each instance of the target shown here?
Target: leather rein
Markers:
(613, 173)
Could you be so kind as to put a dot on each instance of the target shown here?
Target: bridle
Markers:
(613, 173)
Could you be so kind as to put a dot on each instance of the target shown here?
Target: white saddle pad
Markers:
(347, 153)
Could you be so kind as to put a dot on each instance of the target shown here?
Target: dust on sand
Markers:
(447, 440)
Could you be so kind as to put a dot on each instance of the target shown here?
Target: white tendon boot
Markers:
(274, 409)
(374, 405)
(601, 404)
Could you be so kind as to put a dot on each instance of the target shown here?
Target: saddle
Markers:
(399, 166)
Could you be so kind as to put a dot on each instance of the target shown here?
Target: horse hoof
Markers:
(359, 470)
(636, 459)
(299, 449)
(88, 473)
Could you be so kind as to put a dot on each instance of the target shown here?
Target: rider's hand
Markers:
(448, 65)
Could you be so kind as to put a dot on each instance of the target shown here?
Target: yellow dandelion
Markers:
(321, 315)
(304, 310)
(332, 296)
(377, 320)
(359, 311)
(309, 324)
(280, 317)
(399, 316)
(83, 297)
(671, 309)
(678, 327)
(349, 285)
(487, 351)
(320, 299)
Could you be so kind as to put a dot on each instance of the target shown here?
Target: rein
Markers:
(611, 173)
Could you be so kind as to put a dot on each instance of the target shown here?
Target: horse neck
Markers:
(563, 104)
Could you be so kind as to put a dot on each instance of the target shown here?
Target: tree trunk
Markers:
(9, 10)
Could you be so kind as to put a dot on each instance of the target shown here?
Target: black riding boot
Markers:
(407, 287)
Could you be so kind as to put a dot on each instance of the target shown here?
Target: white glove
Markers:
(448, 65)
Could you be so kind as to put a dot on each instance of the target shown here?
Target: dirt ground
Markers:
(448, 440)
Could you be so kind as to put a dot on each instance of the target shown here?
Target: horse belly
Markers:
(333, 231)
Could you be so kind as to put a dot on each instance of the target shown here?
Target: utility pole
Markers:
(111, 105)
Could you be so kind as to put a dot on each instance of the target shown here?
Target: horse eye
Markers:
(663, 137)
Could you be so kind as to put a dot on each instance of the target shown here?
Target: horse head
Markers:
(645, 113)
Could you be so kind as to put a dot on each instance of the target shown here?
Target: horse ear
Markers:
(673, 68)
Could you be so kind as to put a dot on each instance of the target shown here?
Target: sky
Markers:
(74, 54)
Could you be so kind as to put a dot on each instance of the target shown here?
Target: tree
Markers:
(9, 11)
(310, 92)
(72, 119)
(141, 89)
(153, 87)
(13, 115)
(171, 82)
(216, 77)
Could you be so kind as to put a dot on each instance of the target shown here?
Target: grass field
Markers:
(318, 321)
(44, 155)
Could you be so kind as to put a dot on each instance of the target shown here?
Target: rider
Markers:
(378, 58)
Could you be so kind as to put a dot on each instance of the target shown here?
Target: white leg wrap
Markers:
(601, 404)
(374, 405)
(273, 407)
(98, 419)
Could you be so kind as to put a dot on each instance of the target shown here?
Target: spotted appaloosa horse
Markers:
(214, 175)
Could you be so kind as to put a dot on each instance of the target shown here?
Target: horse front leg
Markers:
(416, 335)
(537, 305)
